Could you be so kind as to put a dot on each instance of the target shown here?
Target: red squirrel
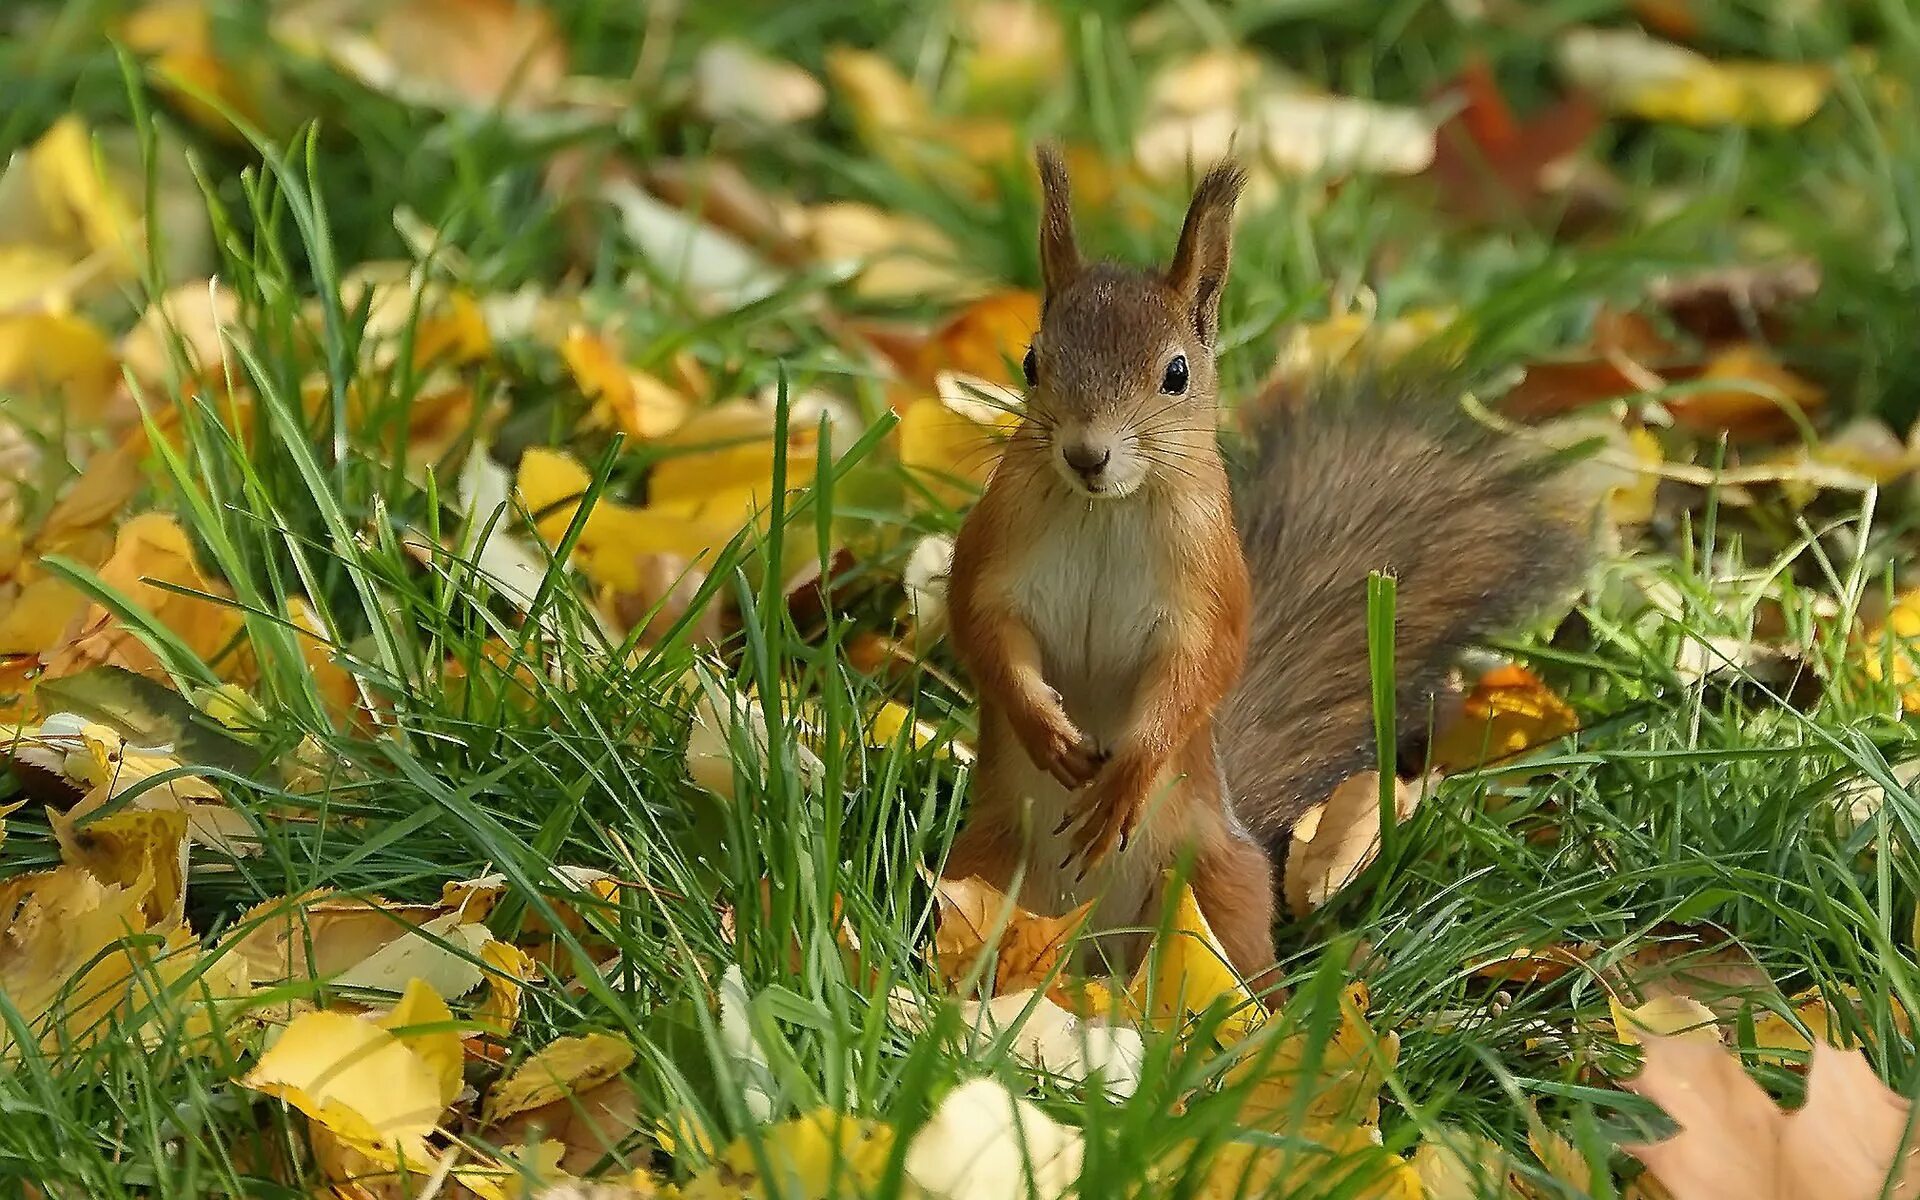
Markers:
(1104, 595)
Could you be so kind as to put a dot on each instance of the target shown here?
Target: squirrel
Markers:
(1117, 574)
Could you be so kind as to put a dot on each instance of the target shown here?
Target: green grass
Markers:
(1679, 804)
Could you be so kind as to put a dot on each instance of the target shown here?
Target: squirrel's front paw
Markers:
(1057, 746)
(1102, 819)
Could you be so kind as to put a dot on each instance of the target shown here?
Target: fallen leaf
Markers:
(1847, 1142)
(984, 1143)
(1488, 163)
(1295, 133)
(889, 256)
(822, 1153)
(1335, 840)
(925, 579)
(63, 357)
(1509, 711)
(564, 1066)
(1633, 73)
(1892, 650)
(625, 400)
(423, 1021)
(144, 851)
(456, 54)
(976, 919)
(1663, 1016)
(1040, 1035)
(1464, 1166)
(151, 558)
(356, 1079)
(1301, 1076)
(1325, 1161)
(733, 81)
(1187, 973)
(1746, 392)
(73, 962)
(1013, 47)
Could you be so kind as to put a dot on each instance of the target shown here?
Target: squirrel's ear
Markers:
(1059, 255)
(1199, 270)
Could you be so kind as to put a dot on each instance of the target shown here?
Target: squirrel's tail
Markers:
(1360, 477)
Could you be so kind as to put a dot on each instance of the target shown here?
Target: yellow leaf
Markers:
(1747, 392)
(632, 402)
(564, 1067)
(1336, 839)
(821, 1154)
(1633, 73)
(893, 256)
(1340, 1085)
(984, 1143)
(61, 355)
(1892, 650)
(1326, 1160)
(152, 550)
(1188, 973)
(356, 1079)
(508, 970)
(144, 851)
(1464, 1166)
(425, 1024)
(38, 617)
(1665, 1016)
(949, 454)
(77, 199)
(976, 918)
(178, 35)
(1510, 710)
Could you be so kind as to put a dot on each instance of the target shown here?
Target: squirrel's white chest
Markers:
(1092, 590)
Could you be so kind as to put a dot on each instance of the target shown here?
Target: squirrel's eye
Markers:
(1174, 382)
(1031, 366)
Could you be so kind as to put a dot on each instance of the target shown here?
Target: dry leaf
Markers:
(1322, 1161)
(472, 54)
(1510, 711)
(975, 919)
(1335, 840)
(1734, 1144)
(1464, 1166)
(151, 550)
(1746, 392)
(1632, 73)
(732, 81)
(144, 851)
(71, 961)
(1039, 1034)
(1337, 1080)
(356, 1079)
(889, 256)
(984, 1143)
(1663, 1016)
(1892, 650)
(1188, 973)
(822, 1153)
(625, 400)
(1488, 162)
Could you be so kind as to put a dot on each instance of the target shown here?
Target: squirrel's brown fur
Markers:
(1100, 599)
(1372, 474)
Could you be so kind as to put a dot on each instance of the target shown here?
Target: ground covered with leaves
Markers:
(477, 483)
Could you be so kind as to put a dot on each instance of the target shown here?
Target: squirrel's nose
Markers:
(1086, 459)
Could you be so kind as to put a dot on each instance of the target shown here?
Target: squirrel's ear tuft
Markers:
(1059, 255)
(1199, 271)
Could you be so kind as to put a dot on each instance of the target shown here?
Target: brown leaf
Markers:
(1746, 392)
(1490, 163)
(1735, 1144)
(976, 918)
(1336, 839)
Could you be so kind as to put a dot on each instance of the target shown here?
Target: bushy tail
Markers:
(1362, 477)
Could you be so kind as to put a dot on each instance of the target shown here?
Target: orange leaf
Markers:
(1751, 395)
(977, 918)
(1510, 710)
